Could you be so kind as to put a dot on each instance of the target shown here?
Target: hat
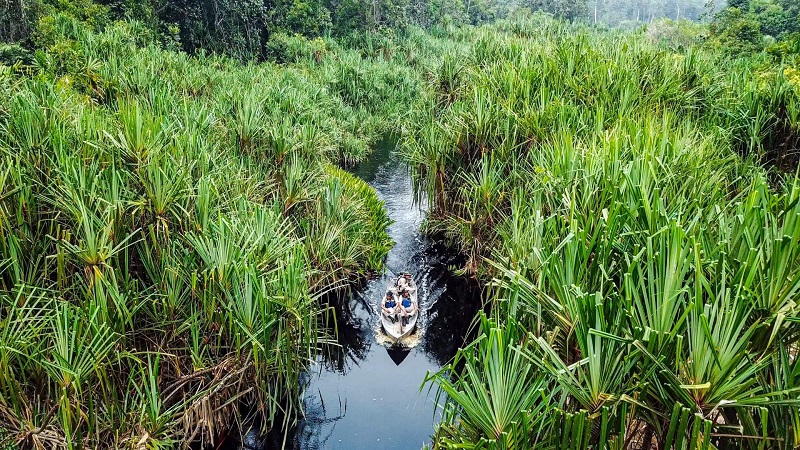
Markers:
(401, 282)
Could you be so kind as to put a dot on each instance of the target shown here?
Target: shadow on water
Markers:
(362, 394)
(398, 354)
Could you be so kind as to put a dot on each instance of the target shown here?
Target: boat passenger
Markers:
(404, 286)
(389, 306)
(407, 306)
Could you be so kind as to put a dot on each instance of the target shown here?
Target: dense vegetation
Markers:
(171, 209)
(165, 225)
(644, 245)
(244, 28)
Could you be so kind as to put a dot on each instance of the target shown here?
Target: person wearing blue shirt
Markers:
(389, 306)
(407, 306)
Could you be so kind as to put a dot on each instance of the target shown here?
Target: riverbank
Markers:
(167, 224)
(633, 212)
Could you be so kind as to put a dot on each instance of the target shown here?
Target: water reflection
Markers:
(352, 332)
(450, 317)
(361, 394)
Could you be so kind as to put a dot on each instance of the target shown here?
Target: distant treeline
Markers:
(243, 28)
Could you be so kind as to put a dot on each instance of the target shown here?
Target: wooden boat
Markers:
(396, 327)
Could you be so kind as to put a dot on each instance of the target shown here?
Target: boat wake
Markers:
(409, 342)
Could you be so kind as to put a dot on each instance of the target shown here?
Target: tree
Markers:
(742, 5)
(736, 32)
(566, 9)
(307, 17)
(233, 27)
(16, 23)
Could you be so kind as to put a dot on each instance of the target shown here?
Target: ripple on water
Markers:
(407, 342)
(357, 390)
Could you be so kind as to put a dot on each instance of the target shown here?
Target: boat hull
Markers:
(395, 329)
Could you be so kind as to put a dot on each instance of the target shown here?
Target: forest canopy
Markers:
(244, 28)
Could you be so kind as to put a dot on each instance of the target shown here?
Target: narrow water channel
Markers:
(371, 397)
(364, 395)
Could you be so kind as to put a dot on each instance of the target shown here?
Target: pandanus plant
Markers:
(498, 399)
(449, 78)
(140, 133)
(249, 121)
(155, 274)
(652, 261)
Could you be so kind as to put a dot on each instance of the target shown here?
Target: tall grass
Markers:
(636, 215)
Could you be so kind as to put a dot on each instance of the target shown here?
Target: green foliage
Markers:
(245, 29)
(675, 35)
(747, 27)
(308, 18)
(736, 33)
(787, 50)
(636, 212)
(776, 17)
(564, 9)
(11, 54)
(166, 225)
(284, 48)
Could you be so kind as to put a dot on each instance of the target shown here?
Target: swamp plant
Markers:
(166, 230)
(634, 213)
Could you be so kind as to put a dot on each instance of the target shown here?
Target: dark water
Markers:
(364, 395)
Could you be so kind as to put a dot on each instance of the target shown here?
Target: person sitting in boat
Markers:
(389, 306)
(407, 306)
(404, 286)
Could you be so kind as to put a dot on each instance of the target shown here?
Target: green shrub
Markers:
(11, 54)
(678, 35)
(734, 32)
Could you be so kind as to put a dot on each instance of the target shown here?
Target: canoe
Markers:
(397, 329)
